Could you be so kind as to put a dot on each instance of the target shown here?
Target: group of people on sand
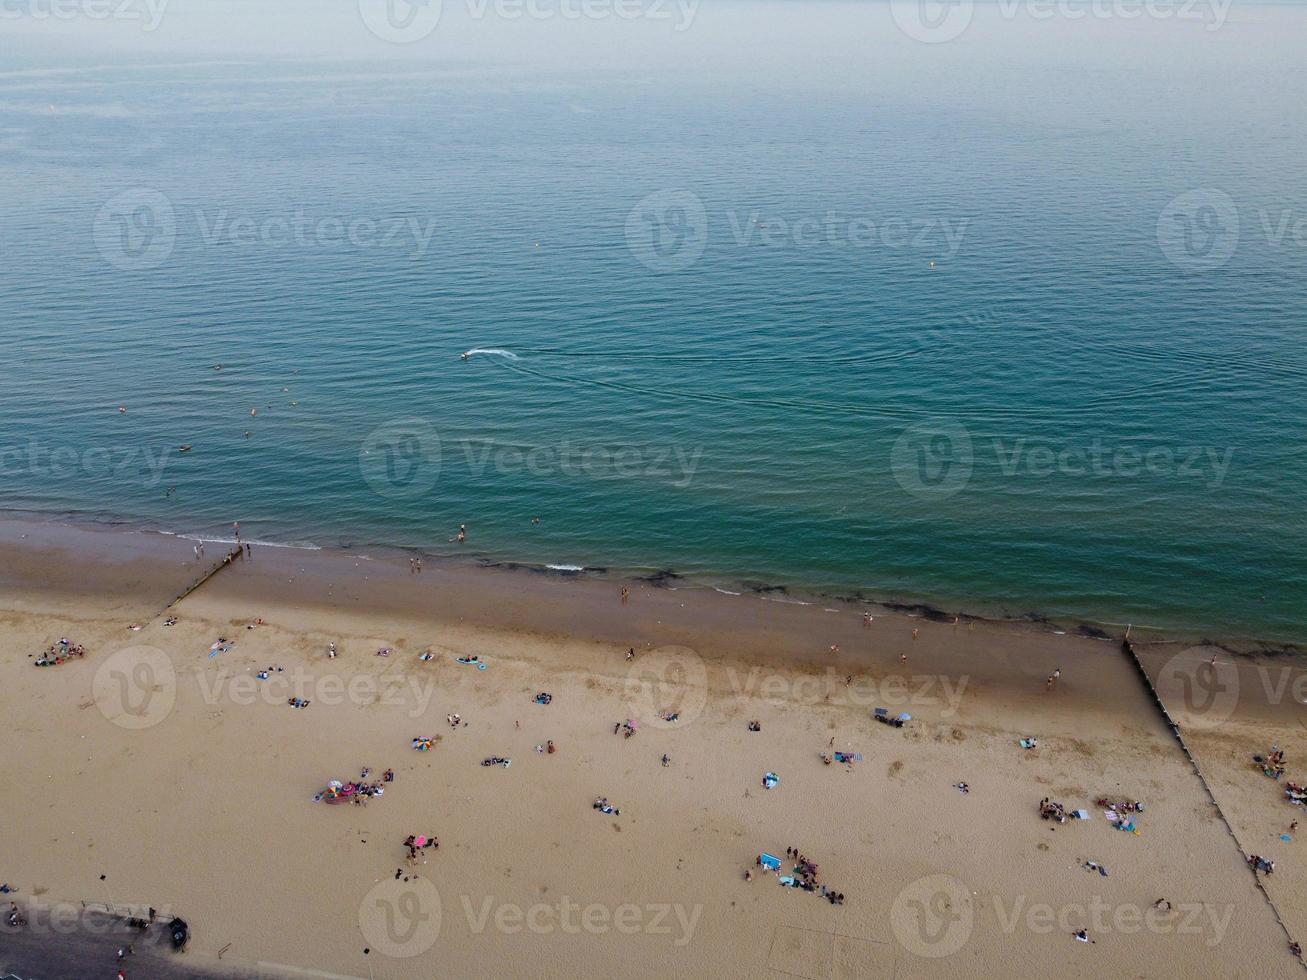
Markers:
(1271, 764)
(1259, 863)
(806, 875)
(603, 806)
(1119, 805)
(357, 792)
(60, 652)
(416, 844)
(1049, 810)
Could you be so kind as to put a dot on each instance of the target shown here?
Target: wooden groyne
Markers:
(1129, 650)
(207, 574)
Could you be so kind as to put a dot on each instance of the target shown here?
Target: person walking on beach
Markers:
(626, 594)
(417, 564)
(249, 552)
(903, 659)
(915, 631)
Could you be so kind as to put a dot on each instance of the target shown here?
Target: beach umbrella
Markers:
(419, 841)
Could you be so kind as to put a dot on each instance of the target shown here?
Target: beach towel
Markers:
(770, 779)
(787, 881)
(769, 862)
(1027, 743)
(479, 665)
(1080, 814)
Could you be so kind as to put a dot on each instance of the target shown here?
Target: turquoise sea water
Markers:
(1017, 321)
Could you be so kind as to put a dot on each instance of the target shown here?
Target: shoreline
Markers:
(212, 796)
(781, 593)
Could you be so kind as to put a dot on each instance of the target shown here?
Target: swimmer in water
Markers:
(464, 355)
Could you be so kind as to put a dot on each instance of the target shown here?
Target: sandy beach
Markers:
(188, 782)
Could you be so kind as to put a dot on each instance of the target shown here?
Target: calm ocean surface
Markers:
(1013, 322)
